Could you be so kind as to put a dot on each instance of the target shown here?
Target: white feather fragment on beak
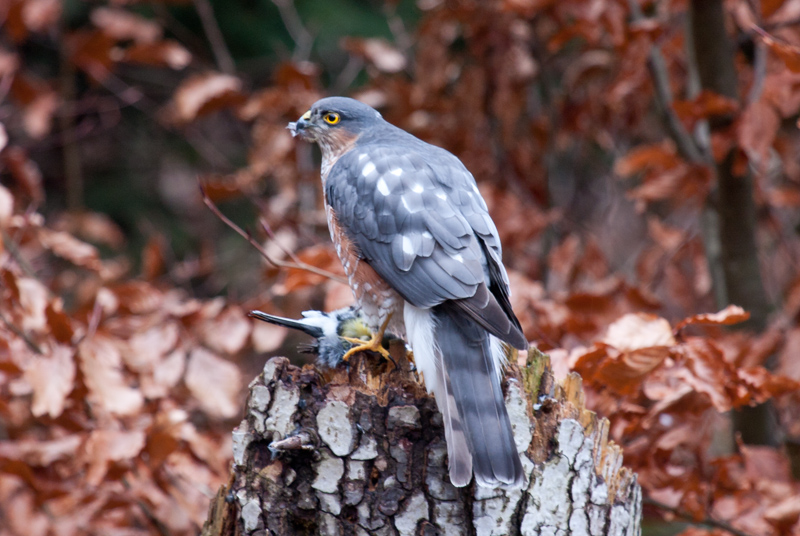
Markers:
(292, 128)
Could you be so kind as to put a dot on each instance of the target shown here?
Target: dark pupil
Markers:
(331, 118)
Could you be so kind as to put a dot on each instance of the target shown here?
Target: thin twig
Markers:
(18, 332)
(759, 55)
(275, 262)
(658, 70)
(303, 39)
(267, 229)
(215, 39)
(708, 521)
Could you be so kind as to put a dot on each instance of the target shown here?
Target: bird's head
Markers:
(334, 121)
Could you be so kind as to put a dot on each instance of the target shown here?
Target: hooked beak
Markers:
(299, 127)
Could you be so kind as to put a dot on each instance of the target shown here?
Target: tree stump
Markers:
(362, 451)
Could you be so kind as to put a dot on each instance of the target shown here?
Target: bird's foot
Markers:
(374, 344)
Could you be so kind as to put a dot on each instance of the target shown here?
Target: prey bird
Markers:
(423, 258)
(335, 333)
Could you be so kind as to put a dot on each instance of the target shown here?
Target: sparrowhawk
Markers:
(423, 257)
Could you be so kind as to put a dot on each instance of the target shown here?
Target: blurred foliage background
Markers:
(638, 157)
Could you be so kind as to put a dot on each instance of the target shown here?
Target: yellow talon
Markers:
(374, 344)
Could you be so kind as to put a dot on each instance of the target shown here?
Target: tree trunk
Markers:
(363, 452)
(735, 206)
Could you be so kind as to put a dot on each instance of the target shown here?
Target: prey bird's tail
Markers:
(305, 327)
(457, 360)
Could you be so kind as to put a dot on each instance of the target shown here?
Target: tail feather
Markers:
(468, 361)
(457, 361)
(314, 331)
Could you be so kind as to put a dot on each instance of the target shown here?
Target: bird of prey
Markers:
(336, 332)
(423, 258)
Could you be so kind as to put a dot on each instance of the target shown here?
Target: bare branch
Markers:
(686, 144)
(253, 242)
(214, 35)
(303, 39)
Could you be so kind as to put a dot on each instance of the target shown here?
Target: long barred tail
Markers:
(456, 359)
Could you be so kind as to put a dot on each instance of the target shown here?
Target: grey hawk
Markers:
(423, 258)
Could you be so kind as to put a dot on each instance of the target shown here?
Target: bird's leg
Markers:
(374, 344)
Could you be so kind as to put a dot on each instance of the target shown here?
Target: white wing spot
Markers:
(405, 203)
(426, 235)
(408, 247)
(475, 189)
(383, 188)
(362, 156)
(396, 172)
(369, 167)
(458, 257)
(416, 187)
(441, 195)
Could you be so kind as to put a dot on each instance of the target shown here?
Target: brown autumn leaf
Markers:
(378, 52)
(40, 15)
(33, 299)
(164, 376)
(214, 382)
(25, 172)
(52, 378)
(204, 93)
(732, 314)
(228, 332)
(101, 365)
(93, 227)
(69, 248)
(267, 337)
(623, 372)
(707, 371)
(123, 25)
(704, 105)
(165, 53)
(37, 116)
(106, 446)
(321, 256)
(6, 207)
(145, 349)
(662, 156)
(788, 52)
(91, 51)
(138, 297)
(757, 128)
(639, 330)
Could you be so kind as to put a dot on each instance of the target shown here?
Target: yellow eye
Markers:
(331, 118)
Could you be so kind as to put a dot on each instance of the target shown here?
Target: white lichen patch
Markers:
(356, 470)
(260, 398)
(329, 470)
(270, 368)
(414, 510)
(336, 428)
(570, 438)
(241, 438)
(368, 450)
(518, 415)
(449, 517)
(284, 406)
(251, 515)
(548, 505)
(493, 509)
(403, 416)
(330, 502)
